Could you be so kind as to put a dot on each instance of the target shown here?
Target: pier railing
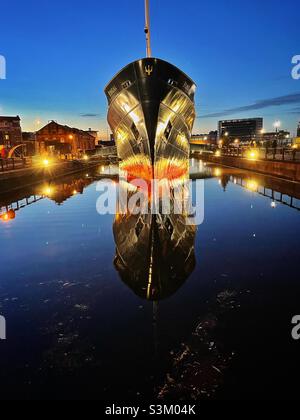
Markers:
(13, 163)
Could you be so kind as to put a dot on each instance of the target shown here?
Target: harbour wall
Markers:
(286, 170)
(13, 180)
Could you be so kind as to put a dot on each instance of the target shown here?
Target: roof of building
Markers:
(9, 118)
(66, 127)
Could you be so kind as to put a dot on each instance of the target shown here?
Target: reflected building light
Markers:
(273, 205)
(48, 191)
(8, 216)
(252, 185)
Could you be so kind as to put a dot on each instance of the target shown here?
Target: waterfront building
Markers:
(94, 133)
(10, 131)
(298, 130)
(242, 130)
(209, 139)
(108, 143)
(57, 139)
(29, 140)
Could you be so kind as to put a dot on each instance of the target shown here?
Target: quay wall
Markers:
(286, 170)
(13, 180)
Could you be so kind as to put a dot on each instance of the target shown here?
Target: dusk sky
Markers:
(61, 54)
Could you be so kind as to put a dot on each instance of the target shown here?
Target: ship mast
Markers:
(147, 29)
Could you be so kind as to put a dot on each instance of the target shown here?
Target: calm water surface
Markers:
(76, 330)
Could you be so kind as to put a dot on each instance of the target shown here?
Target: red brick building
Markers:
(57, 139)
(10, 131)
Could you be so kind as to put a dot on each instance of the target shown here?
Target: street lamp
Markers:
(277, 125)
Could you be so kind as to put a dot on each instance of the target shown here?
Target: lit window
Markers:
(168, 130)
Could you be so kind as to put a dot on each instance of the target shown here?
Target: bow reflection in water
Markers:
(154, 252)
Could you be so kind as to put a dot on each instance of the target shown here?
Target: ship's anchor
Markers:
(149, 70)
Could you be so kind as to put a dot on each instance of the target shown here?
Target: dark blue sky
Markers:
(60, 55)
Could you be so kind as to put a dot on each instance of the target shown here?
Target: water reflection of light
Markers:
(8, 216)
(48, 191)
(273, 204)
(217, 172)
(252, 185)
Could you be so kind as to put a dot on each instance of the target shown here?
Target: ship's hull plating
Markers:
(151, 113)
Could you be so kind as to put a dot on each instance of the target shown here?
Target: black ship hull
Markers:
(151, 113)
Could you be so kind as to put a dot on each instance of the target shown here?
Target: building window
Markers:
(172, 82)
(135, 131)
(126, 84)
(168, 130)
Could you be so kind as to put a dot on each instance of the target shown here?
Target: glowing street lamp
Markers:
(277, 125)
(252, 154)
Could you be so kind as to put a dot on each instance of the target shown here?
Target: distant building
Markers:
(298, 130)
(94, 133)
(244, 130)
(58, 139)
(10, 131)
(29, 140)
(108, 143)
(209, 139)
